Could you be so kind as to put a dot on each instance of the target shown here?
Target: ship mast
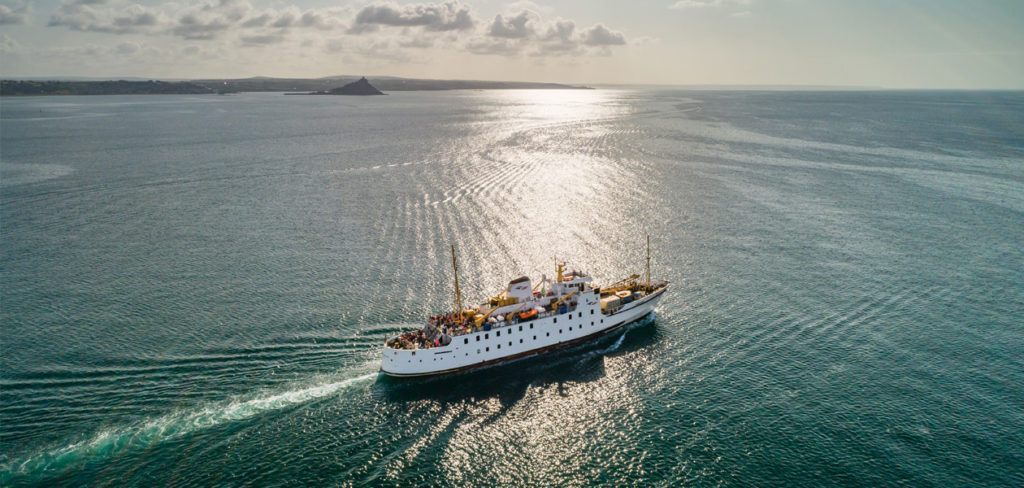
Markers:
(458, 294)
(648, 262)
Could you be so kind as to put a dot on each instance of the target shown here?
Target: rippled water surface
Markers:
(195, 290)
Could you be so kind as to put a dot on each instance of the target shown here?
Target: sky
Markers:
(970, 44)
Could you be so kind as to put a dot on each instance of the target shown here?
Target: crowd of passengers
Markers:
(424, 338)
(439, 331)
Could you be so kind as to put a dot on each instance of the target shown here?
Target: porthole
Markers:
(520, 328)
(497, 334)
(478, 338)
(487, 350)
(559, 331)
(520, 341)
(499, 346)
(487, 336)
(531, 326)
(510, 342)
(591, 311)
(534, 337)
(465, 341)
(556, 320)
(547, 334)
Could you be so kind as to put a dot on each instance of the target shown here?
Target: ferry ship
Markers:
(524, 320)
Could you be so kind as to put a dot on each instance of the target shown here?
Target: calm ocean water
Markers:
(195, 289)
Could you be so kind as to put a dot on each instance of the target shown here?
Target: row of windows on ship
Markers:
(510, 330)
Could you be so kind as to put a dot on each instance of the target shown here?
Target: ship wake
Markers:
(168, 427)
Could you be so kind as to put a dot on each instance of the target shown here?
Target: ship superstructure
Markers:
(523, 320)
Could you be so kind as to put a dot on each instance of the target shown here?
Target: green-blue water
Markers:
(195, 289)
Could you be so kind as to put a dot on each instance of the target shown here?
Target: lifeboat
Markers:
(529, 314)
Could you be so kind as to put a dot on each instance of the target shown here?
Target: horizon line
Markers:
(718, 86)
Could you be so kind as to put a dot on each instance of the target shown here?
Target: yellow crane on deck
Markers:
(623, 284)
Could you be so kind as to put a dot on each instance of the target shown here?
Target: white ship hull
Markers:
(517, 340)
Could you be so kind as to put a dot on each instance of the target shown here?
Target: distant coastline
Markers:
(258, 84)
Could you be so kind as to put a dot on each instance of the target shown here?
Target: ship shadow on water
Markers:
(509, 382)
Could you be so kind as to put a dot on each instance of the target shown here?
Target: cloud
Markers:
(599, 35)
(128, 48)
(196, 28)
(8, 44)
(431, 16)
(560, 30)
(14, 13)
(258, 21)
(263, 40)
(208, 20)
(83, 15)
(559, 39)
(512, 34)
(291, 17)
(416, 42)
(383, 30)
(327, 19)
(203, 21)
(516, 27)
(684, 4)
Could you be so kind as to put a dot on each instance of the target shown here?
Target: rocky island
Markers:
(360, 87)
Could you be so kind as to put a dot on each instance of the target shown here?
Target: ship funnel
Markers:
(520, 288)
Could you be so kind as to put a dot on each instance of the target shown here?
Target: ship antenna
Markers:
(648, 262)
(458, 294)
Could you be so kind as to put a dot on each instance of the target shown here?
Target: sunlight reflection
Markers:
(557, 105)
(548, 433)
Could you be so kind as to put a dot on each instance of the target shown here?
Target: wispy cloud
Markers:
(261, 40)
(14, 12)
(8, 44)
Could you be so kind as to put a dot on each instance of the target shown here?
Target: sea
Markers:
(196, 289)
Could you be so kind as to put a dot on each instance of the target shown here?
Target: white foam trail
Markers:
(618, 342)
(171, 426)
